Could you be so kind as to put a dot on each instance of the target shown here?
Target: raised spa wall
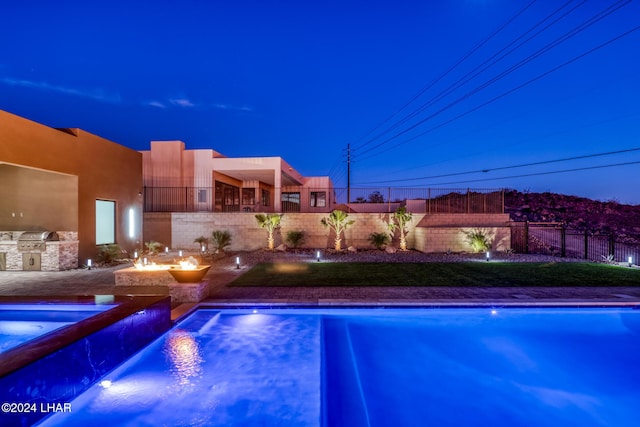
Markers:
(58, 255)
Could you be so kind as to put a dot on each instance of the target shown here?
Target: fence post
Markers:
(563, 241)
(526, 236)
(586, 244)
(468, 204)
(612, 245)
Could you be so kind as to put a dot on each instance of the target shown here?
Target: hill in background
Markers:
(577, 213)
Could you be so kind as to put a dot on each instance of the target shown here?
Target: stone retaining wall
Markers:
(428, 232)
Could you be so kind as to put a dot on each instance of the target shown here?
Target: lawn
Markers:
(438, 274)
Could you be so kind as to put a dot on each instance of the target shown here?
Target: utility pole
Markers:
(348, 174)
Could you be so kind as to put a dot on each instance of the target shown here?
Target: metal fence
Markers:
(427, 200)
(558, 240)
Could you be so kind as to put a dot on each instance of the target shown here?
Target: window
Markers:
(248, 196)
(105, 222)
(318, 199)
(265, 197)
(202, 196)
(291, 202)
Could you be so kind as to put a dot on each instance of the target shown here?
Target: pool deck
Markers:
(101, 281)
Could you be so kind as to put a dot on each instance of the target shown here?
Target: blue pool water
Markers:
(377, 367)
(20, 323)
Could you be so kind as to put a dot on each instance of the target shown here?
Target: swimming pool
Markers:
(377, 367)
(66, 344)
(20, 323)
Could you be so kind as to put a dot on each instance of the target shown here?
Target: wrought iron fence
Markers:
(556, 239)
(383, 199)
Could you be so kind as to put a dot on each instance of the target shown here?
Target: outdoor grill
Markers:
(35, 240)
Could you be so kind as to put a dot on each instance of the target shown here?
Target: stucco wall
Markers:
(103, 170)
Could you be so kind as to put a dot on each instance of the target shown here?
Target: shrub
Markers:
(378, 239)
(108, 254)
(153, 247)
(202, 242)
(221, 239)
(295, 238)
(478, 240)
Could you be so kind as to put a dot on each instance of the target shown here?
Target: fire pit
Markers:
(193, 275)
(186, 279)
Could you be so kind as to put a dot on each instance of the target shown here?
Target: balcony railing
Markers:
(388, 199)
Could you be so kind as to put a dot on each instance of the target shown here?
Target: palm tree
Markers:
(338, 222)
(270, 222)
(399, 221)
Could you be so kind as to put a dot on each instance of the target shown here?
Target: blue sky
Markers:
(485, 85)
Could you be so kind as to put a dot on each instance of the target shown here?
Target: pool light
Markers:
(105, 384)
(494, 312)
(237, 262)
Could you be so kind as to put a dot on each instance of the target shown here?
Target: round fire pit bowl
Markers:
(189, 276)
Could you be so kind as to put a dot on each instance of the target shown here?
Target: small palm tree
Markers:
(221, 239)
(203, 242)
(270, 222)
(338, 222)
(378, 239)
(295, 238)
(399, 221)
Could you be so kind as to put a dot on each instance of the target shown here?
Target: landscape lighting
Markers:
(318, 256)
(630, 261)
(89, 263)
(237, 262)
(488, 255)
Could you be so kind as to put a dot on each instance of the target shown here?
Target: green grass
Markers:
(438, 274)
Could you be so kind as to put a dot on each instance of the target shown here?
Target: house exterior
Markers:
(85, 188)
(179, 180)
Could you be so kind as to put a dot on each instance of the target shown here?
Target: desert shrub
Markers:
(108, 254)
(478, 240)
(295, 238)
(153, 247)
(202, 242)
(220, 239)
(378, 239)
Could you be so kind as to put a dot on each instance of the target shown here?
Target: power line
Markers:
(439, 78)
(589, 22)
(544, 162)
(502, 95)
(475, 71)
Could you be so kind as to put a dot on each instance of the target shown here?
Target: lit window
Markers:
(105, 222)
(318, 199)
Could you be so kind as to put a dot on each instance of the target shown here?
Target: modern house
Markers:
(84, 190)
(179, 180)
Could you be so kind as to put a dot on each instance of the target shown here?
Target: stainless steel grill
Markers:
(36, 240)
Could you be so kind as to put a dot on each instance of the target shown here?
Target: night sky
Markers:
(444, 94)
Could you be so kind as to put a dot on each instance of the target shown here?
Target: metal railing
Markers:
(556, 239)
(383, 199)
